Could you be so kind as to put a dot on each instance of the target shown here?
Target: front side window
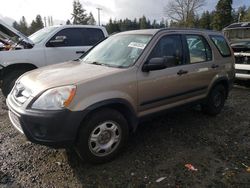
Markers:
(73, 37)
(118, 50)
(169, 46)
(79, 36)
(199, 50)
(221, 45)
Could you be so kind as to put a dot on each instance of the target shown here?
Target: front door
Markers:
(72, 48)
(184, 78)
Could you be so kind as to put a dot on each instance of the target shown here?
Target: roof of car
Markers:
(238, 25)
(154, 31)
(72, 26)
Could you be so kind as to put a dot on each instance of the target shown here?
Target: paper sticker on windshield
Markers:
(137, 45)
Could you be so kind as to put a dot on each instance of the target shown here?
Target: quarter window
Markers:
(221, 45)
(169, 46)
(199, 50)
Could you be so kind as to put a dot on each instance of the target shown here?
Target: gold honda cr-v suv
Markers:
(92, 103)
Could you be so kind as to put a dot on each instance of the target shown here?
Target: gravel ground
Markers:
(219, 147)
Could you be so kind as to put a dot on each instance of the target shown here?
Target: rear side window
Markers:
(199, 50)
(221, 45)
(93, 36)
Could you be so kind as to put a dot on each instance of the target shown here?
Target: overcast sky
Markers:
(115, 9)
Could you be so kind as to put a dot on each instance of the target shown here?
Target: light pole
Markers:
(99, 9)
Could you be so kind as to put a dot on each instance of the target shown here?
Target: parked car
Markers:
(239, 36)
(93, 103)
(47, 46)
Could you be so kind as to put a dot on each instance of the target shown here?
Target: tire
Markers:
(215, 101)
(9, 81)
(247, 84)
(102, 136)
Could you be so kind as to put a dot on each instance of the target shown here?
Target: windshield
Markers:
(41, 34)
(238, 34)
(118, 50)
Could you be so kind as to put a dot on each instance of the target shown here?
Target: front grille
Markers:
(15, 121)
(242, 59)
(242, 71)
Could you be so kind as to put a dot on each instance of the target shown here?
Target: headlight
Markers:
(55, 99)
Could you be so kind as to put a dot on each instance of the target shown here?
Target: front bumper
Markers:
(240, 75)
(242, 66)
(50, 128)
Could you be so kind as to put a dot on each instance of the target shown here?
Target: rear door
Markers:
(77, 42)
(201, 66)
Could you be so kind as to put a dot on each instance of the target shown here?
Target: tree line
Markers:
(183, 13)
(180, 13)
(79, 16)
(28, 30)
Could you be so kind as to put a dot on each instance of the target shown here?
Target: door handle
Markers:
(181, 72)
(214, 66)
(80, 52)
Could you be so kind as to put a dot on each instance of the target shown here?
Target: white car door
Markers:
(70, 43)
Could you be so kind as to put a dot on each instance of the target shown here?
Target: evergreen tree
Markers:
(143, 22)
(112, 27)
(79, 16)
(91, 20)
(39, 22)
(154, 24)
(32, 28)
(68, 22)
(162, 23)
(205, 20)
(223, 14)
(23, 26)
(16, 25)
(36, 24)
(166, 23)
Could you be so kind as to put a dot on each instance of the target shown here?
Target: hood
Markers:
(241, 45)
(9, 33)
(68, 73)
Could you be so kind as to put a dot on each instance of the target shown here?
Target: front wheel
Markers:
(102, 136)
(215, 101)
(9, 81)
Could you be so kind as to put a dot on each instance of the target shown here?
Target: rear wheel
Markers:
(215, 101)
(102, 136)
(9, 80)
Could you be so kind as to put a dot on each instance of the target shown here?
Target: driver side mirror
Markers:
(157, 63)
(58, 40)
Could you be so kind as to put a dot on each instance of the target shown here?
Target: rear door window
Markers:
(93, 36)
(221, 45)
(199, 49)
